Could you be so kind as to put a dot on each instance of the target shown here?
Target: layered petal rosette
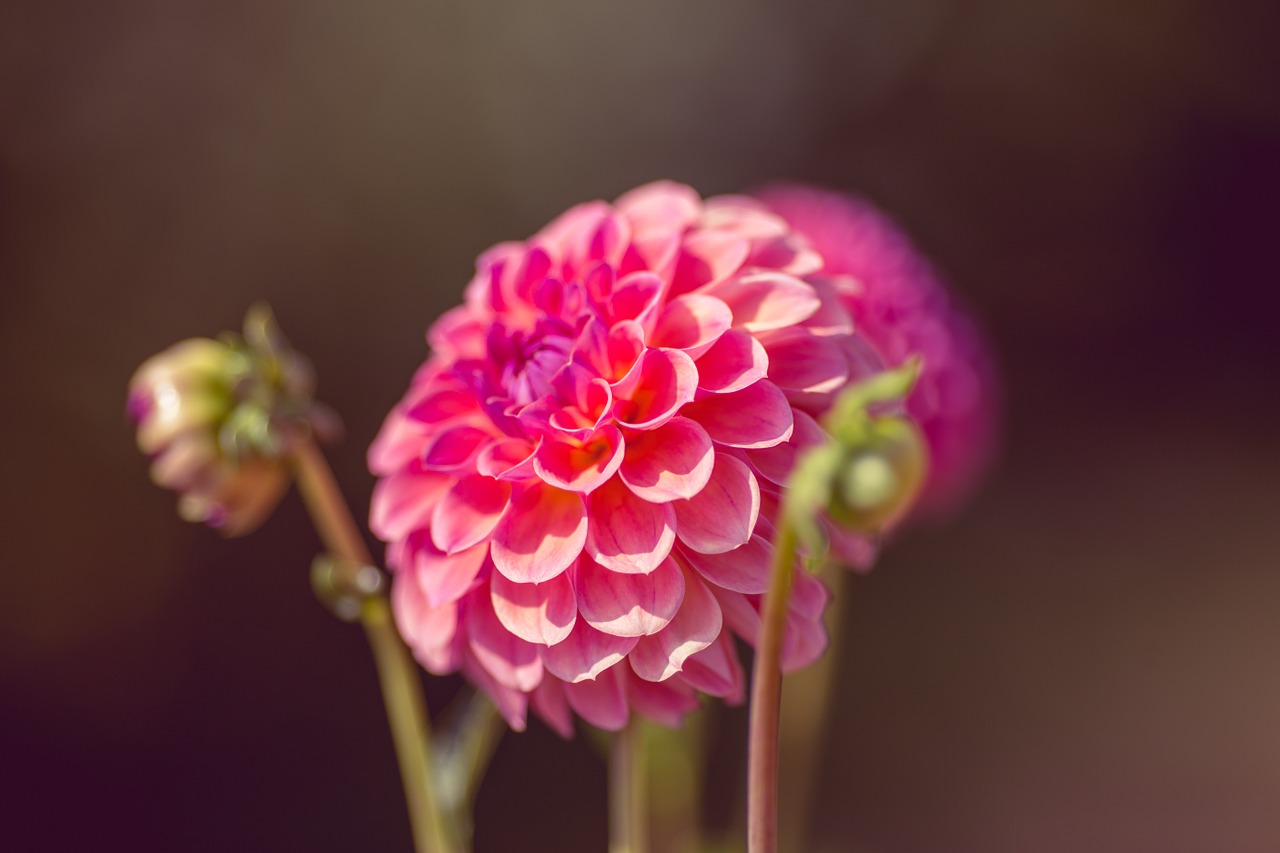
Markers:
(579, 489)
(902, 309)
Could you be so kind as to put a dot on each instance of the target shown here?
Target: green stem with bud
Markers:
(766, 698)
(401, 687)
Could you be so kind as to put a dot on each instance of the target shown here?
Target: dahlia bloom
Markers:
(579, 489)
(900, 307)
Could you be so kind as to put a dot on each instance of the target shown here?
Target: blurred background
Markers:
(1082, 659)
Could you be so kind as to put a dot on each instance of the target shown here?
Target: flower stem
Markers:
(766, 700)
(401, 690)
(628, 790)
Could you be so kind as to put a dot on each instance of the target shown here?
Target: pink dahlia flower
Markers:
(578, 490)
(899, 306)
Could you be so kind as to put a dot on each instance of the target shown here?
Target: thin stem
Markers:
(766, 700)
(628, 788)
(401, 689)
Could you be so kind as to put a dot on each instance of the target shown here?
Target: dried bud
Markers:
(218, 416)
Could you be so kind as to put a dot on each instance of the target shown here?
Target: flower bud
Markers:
(217, 417)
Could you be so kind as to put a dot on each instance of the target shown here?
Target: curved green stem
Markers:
(628, 784)
(401, 689)
(766, 699)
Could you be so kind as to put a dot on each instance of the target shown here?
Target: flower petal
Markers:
(723, 515)
(802, 361)
(696, 625)
(541, 534)
(549, 701)
(776, 463)
(580, 465)
(655, 388)
(735, 361)
(452, 449)
(468, 512)
(512, 662)
(666, 703)
(717, 671)
(627, 533)
(668, 463)
(767, 300)
(404, 501)
(428, 631)
(706, 258)
(692, 323)
(541, 613)
(509, 459)
(447, 577)
(756, 416)
(585, 653)
(602, 702)
(746, 568)
(625, 604)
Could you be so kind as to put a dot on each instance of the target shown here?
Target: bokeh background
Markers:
(1085, 658)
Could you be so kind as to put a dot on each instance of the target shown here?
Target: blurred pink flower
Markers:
(578, 489)
(900, 307)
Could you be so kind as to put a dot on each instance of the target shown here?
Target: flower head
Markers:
(217, 416)
(579, 489)
(901, 309)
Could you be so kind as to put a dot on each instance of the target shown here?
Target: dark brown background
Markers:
(1084, 659)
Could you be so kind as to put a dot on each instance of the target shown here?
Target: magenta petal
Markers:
(723, 515)
(602, 702)
(585, 653)
(746, 568)
(636, 297)
(776, 463)
(666, 703)
(668, 463)
(739, 612)
(468, 512)
(696, 625)
(443, 405)
(512, 704)
(580, 465)
(398, 443)
(549, 701)
(628, 605)
(627, 533)
(404, 502)
(447, 577)
(512, 662)
(541, 613)
(510, 460)
(692, 323)
(452, 449)
(429, 632)
(716, 671)
(756, 416)
(708, 257)
(767, 300)
(654, 389)
(803, 643)
(735, 361)
(802, 361)
(541, 534)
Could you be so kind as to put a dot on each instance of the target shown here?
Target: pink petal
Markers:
(512, 662)
(756, 416)
(428, 631)
(447, 577)
(627, 533)
(468, 512)
(809, 596)
(746, 568)
(452, 449)
(602, 702)
(692, 323)
(739, 612)
(708, 257)
(855, 550)
(776, 463)
(636, 297)
(541, 534)
(404, 501)
(802, 361)
(511, 703)
(580, 465)
(767, 300)
(508, 459)
(585, 653)
(541, 613)
(717, 671)
(654, 389)
(550, 703)
(398, 442)
(443, 405)
(803, 643)
(722, 516)
(660, 206)
(666, 703)
(735, 361)
(668, 463)
(696, 625)
(628, 605)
